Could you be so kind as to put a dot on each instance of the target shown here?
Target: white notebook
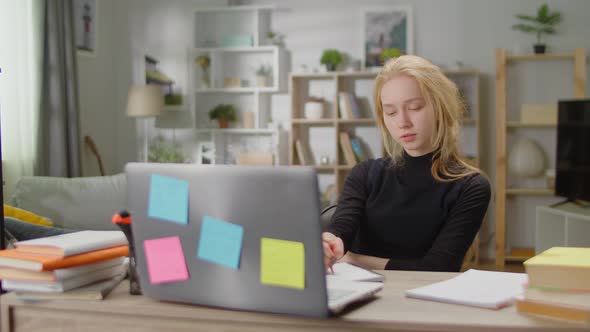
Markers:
(486, 289)
(346, 271)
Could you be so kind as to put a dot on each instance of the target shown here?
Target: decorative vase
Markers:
(314, 110)
(526, 159)
(539, 48)
(330, 67)
(261, 81)
(223, 123)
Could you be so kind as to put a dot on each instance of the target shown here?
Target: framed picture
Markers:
(386, 28)
(85, 14)
(206, 153)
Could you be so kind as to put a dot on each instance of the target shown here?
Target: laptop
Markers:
(261, 215)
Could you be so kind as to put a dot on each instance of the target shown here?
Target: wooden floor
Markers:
(490, 265)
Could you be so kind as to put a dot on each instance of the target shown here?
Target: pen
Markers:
(123, 220)
(332, 269)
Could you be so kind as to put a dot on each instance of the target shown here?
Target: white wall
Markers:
(446, 31)
(126, 28)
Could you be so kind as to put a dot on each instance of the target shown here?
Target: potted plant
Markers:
(224, 114)
(541, 24)
(263, 74)
(331, 58)
(161, 151)
(389, 53)
(204, 61)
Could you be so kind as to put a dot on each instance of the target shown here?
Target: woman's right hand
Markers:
(333, 249)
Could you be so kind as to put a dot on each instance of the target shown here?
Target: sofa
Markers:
(73, 203)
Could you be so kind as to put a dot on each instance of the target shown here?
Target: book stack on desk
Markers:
(559, 284)
(65, 262)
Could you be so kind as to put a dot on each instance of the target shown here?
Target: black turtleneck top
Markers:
(405, 215)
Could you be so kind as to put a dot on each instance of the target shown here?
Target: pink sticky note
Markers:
(165, 260)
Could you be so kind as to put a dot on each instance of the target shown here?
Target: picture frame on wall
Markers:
(386, 28)
(85, 26)
(206, 153)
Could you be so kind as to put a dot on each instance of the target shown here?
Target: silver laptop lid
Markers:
(266, 202)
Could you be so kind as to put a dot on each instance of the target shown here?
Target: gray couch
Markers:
(73, 203)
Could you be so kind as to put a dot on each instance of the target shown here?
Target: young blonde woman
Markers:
(421, 207)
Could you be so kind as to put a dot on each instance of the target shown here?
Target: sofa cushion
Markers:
(75, 203)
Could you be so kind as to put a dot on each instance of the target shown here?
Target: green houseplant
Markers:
(161, 151)
(390, 53)
(541, 24)
(331, 58)
(224, 114)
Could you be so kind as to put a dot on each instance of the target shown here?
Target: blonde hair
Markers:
(440, 92)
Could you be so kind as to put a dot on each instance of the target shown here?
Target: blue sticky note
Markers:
(168, 199)
(220, 242)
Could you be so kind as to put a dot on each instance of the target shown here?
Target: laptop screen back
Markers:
(240, 237)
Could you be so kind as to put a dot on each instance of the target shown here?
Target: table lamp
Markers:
(145, 101)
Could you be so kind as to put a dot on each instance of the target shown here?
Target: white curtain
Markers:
(20, 86)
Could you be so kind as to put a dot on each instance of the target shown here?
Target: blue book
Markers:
(357, 148)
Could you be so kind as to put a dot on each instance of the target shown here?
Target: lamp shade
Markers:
(144, 101)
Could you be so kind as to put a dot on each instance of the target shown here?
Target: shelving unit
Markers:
(504, 126)
(323, 134)
(234, 39)
(328, 85)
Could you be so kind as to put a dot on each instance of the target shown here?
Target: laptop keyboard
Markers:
(335, 294)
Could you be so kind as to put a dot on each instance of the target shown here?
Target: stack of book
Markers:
(65, 262)
(559, 284)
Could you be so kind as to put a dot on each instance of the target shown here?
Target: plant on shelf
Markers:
(331, 58)
(275, 38)
(224, 114)
(389, 53)
(161, 151)
(263, 74)
(204, 62)
(541, 24)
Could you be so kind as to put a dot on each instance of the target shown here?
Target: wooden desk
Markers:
(390, 311)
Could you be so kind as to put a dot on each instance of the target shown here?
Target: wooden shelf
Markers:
(237, 131)
(345, 167)
(503, 126)
(324, 168)
(238, 90)
(515, 124)
(529, 191)
(248, 49)
(357, 121)
(539, 57)
(313, 76)
(320, 122)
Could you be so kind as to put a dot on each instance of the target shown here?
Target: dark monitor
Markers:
(572, 166)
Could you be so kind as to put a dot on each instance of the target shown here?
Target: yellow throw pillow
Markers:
(26, 216)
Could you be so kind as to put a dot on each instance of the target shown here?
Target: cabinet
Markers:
(563, 225)
(233, 39)
(506, 126)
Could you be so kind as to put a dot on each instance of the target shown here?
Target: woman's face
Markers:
(407, 115)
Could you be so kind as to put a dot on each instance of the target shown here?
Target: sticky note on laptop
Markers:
(165, 260)
(168, 199)
(220, 242)
(282, 263)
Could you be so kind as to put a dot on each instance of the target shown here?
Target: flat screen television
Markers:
(572, 165)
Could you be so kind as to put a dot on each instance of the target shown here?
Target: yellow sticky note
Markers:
(282, 263)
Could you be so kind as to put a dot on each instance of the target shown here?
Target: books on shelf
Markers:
(349, 107)
(36, 262)
(347, 149)
(59, 286)
(95, 291)
(357, 149)
(72, 243)
(57, 274)
(303, 153)
(561, 268)
(485, 289)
